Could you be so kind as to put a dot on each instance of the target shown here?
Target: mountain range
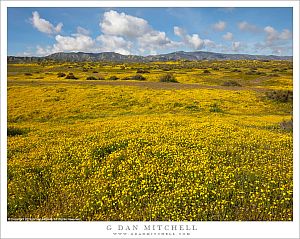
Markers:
(116, 57)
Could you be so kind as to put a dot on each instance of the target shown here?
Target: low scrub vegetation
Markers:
(231, 83)
(168, 78)
(281, 95)
(71, 76)
(91, 78)
(287, 125)
(142, 71)
(113, 78)
(61, 74)
(14, 131)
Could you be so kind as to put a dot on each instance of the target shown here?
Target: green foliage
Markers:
(101, 78)
(91, 78)
(71, 76)
(283, 96)
(231, 83)
(236, 70)
(113, 78)
(215, 108)
(138, 77)
(287, 125)
(61, 74)
(14, 131)
(142, 71)
(168, 78)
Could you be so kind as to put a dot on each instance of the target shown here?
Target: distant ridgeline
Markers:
(116, 57)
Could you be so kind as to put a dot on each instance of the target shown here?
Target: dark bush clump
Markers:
(283, 96)
(13, 131)
(231, 83)
(168, 78)
(287, 125)
(254, 72)
(206, 71)
(137, 77)
(142, 71)
(236, 70)
(95, 71)
(71, 76)
(113, 78)
(61, 74)
(215, 108)
(126, 78)
(27, 74)
(91, 78)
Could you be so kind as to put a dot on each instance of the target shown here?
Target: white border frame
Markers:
(99, 229)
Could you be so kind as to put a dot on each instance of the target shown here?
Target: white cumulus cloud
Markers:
(219, 26)
(236, 46)
(82, 31)
(245, 26)
(155, 40)
(193, 41)
(114, 44)
(134, 30)
(276, 41)
(43, 25)
(76, 42)
(273, 35)
(228, 36)
(121, 24)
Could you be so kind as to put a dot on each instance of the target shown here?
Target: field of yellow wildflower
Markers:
(215, 146)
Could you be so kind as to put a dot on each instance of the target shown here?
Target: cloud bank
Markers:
(126, 34)
(43, 25)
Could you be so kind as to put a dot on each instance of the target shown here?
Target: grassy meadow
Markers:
(119, 143)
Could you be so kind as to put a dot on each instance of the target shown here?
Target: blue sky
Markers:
(144, 31)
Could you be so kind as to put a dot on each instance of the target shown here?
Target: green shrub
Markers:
(27, 74)
(126, 78)
(168, 78)
(61, 74)
(142, 71)
(287, 125)
(91, 78)
(71, 76)
(231, 83)
(215, 108)
(283, 96)
(14, 131)
(138, 77)
(236, 70)
(206, 71)
(113, 78)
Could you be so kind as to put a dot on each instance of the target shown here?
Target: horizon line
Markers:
(153, 54)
